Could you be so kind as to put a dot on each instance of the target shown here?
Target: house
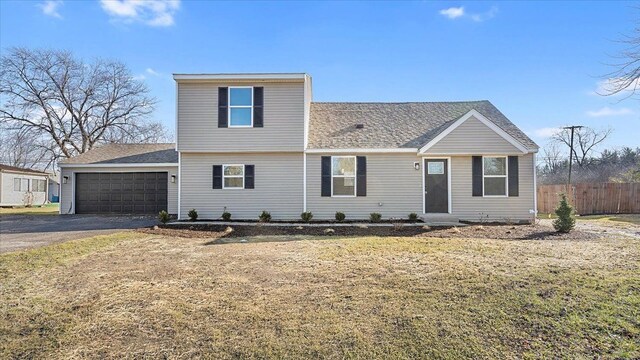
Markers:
(22, 187)
(252, 142)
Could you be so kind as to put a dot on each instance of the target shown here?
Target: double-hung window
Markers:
(240, 107)
(494, 175)
(343, 176)
(20, 184)
(233, 176)
(39, 185)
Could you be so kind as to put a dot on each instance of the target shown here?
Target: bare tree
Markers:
(22, 150)
(70, 106)
(586, 141)
(626, 76)
(552, 157)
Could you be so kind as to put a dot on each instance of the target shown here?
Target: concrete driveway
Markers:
(27, 231)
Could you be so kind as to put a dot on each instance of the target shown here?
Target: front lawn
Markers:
(48, 209)
(147, 295)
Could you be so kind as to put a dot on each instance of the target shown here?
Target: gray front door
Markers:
(436, 186)
(121, 193)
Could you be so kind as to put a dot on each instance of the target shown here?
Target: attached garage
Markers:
(121, 179)
(121, 192)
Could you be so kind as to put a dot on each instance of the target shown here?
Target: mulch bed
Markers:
(507, 232)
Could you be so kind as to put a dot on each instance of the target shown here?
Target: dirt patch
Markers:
(225, 234)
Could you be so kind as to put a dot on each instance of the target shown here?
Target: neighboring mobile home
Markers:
(22, 187)
(252, 142)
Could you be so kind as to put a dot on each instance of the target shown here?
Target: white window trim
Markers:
(355, 176)
(239, 107)
(232, 176)
(505, 176)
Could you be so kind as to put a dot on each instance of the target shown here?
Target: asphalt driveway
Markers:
(27, 231)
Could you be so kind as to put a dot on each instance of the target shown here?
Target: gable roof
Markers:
(127, 154)
(21, 170)
(396, 125)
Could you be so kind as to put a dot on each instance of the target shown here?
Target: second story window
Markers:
(240, 107)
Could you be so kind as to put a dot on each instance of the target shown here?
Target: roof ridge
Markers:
(400, 102)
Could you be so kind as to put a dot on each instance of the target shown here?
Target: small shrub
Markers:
(163, 216)
(226, 216)
(306, 216)
(375, 217)
(265, 216)
(413, 217)
(566, 220)
(193, 215)
(397, 224)
(340, 216)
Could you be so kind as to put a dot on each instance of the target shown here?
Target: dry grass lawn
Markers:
(134, 295)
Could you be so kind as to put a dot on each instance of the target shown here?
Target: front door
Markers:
(436, 186)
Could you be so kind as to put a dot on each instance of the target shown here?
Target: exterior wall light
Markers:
(416, 165)
(173, 179)
(65, 179)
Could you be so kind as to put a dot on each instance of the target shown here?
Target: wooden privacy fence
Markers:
(598, 198)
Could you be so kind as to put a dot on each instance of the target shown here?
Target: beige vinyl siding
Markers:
(8, 197)
(278, 186)
(66, 190)
(473, 137)
(393, 188)
(467, 207)
(392, 181)
(198, 120)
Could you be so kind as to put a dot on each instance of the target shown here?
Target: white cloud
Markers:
(607, 111)
(149, 12)
(605, 87)
(459, 12)
(150, 71)
(485, 15)
(139, 77)
(50, 8)
(453, 12)
(546, 132)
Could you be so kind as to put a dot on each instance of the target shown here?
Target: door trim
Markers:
(424, 169)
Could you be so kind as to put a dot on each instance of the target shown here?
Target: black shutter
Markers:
(249, 176)
(476, 175)
(223, 107)
(513, 176)
(361, 176)
(258, 107)
(326, 176)
(217, 176)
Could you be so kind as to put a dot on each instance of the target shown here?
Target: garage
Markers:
(121, 192)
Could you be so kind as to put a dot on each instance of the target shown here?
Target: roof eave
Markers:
(242, 77)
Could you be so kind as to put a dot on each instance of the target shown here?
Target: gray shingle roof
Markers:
(395, 125)
(127, 154)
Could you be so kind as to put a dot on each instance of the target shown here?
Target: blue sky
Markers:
(540, 63)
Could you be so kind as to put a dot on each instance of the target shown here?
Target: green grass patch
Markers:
(60, 254)
(48, 209)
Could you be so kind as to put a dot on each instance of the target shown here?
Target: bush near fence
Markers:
(596, 198)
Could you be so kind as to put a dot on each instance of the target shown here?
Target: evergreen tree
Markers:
(566, 220)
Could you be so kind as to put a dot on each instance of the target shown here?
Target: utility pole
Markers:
(572, 128)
